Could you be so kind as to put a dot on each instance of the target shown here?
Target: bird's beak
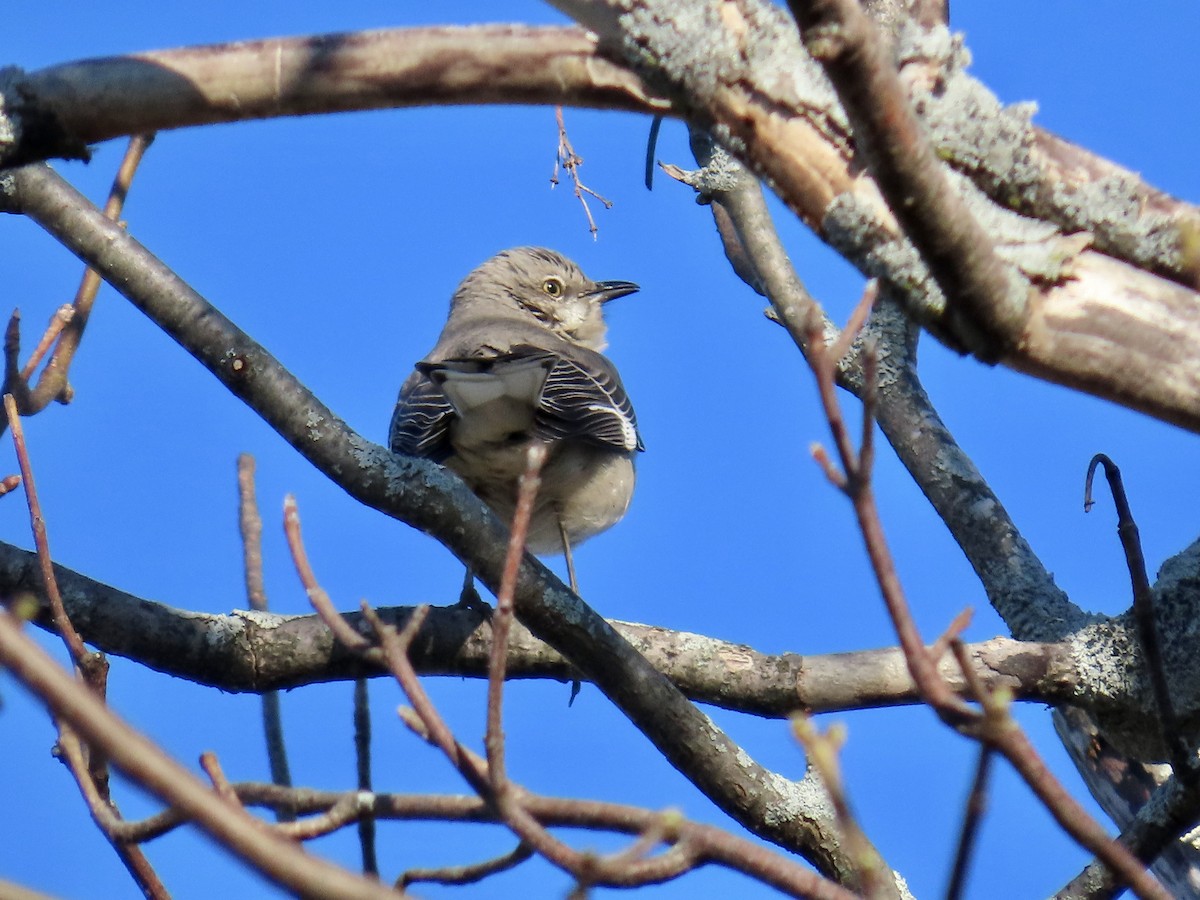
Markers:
(611, 290)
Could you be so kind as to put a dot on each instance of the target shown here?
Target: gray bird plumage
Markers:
(519, 359)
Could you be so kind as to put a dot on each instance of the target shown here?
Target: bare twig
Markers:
(972, 817)
(62, 623)
(212, 768)
(80, 760)
(1183, 756)
(67, 325)
(995, 725)
(58, 321)
(362, 765)
(316, 594)
(349, 807)
(250, 527)
(570, 161)
(502, 618)
(88, 765)
(624, 868)
(821, 751)
(651, 145)
(142, 761)
(468, 874)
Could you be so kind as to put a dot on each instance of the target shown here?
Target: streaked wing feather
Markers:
(585, 399)
(421, 421)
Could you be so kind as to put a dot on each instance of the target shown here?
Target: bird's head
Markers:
(547, 287)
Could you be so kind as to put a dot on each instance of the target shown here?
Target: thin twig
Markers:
(212, 768)
(821, 750)
(651, 146)
(58, 321)
(90, 765)
(425, 720)
(68, 323)
(1182, 754)
(119, 833)
(995, 725)
(349, 807)
(570, 161)
(362, 765)
(62, 623)
(250, 527)
(468, 874)
(316, 594)
(502, 619)
(146, 764)
(972, 818)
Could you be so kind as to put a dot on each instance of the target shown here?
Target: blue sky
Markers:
(335, 241)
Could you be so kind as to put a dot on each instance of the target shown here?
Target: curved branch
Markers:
(769, 102)
(59, 110)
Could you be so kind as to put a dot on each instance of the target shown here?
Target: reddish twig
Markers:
(66, 327)
(349, 807)
(90, 765)
(146, 764)
(994, 725)
(212, 768)
(62, 623)
(691, 846)
(58, 321)
(821, 751)
(502, 619)
(469, 874)
(119, 833)
(316, 594)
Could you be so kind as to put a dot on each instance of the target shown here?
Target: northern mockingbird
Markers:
(519, 361)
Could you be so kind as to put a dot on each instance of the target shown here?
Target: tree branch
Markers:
(433, 500)
(959, 253)
(276, 857)
(59, 110)
(255, 652)
(1096, 325)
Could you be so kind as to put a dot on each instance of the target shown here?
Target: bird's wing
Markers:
(583, 398)
(421, 421)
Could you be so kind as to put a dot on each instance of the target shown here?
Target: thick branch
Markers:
(768, 102)
(770, 105)
(59, 110)
(256, 652)
(959, 253)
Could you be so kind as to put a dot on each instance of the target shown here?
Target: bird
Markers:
(520, 360)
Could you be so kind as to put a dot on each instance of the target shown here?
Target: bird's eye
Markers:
(553, 287)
